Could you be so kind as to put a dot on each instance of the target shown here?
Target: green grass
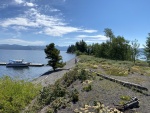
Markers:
(113, 67)
(15, 94)
(125, 97)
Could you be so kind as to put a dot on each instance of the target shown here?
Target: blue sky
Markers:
(64, 22)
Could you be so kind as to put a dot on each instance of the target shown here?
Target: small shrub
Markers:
(78, 53)
(70, 77)
(50, 110)
(51, 92)
(87, 88)
(74, 96)
(58, 103)
(83, 75)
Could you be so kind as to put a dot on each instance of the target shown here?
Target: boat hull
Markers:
(17, 65)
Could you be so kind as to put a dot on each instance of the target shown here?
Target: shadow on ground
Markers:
(52, 71)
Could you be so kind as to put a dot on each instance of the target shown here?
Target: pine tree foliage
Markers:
(147, 49)
(55, 60)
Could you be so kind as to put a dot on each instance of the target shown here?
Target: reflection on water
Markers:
(18, 68)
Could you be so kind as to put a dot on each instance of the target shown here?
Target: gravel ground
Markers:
(104, 91)
(51, 77)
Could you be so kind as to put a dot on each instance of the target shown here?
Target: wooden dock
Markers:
(31, 64)
(2, 63)
(36, 64)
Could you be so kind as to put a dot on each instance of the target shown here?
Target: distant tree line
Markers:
(117, 48)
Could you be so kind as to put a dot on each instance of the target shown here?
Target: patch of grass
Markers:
(114, 70)
(15, 94)
(125, 97)
(113, 67)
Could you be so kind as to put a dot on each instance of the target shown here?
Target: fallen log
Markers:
(134, 103)
(124, 83)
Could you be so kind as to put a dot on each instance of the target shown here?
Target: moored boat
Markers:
(17, 63)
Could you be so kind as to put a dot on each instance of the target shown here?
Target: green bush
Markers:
(15, 94)
(59, 103)
(83, 75)
(74, 96)
(70, 77)
(87, 88)
(51, 93)
(78, 53)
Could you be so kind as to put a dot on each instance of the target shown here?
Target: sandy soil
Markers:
(51, 77)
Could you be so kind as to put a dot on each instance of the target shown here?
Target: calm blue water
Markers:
(34, 56)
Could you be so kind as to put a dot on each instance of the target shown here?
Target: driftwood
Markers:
(134, 103)
(126, 84)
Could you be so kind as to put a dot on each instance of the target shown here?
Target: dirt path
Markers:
(51, 77)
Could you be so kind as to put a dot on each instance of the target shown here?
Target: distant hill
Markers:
(20, 47)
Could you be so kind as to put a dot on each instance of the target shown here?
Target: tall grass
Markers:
(15, 94)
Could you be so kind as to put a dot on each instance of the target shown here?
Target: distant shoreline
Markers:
(21, 47)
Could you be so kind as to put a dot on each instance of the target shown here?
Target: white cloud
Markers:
(98, 37)
(18, 21)
(60, 30)
(89, 31)
(54, 10)
(21, 42)
(89, 39)
(19, 1)
(19, 28)
(49, 25)
(29, 4)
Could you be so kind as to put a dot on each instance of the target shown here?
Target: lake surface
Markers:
(34, 56)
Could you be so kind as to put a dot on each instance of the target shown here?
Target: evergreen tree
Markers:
(81, 46)
(55, 60)
(71, 49)
(147, 48)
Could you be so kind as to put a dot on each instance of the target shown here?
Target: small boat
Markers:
(17, 63)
